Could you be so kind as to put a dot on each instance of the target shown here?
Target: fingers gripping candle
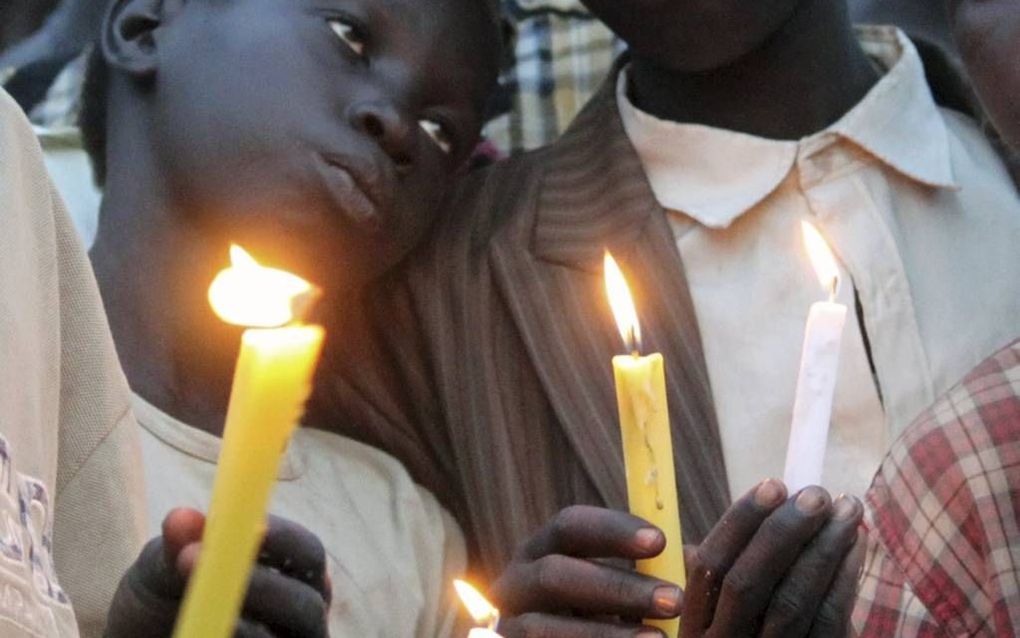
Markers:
(647, 440)
(816, 382)
(272, 381)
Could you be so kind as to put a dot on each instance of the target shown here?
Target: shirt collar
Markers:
(199, 444)
(691, 167)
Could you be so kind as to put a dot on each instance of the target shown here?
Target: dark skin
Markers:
(319, 134)
(209, 149)
(769, 568)
(987, 34)
(763, 68)
(66, 31)
(289, 592)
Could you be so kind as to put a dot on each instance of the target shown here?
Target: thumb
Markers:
(181, 527)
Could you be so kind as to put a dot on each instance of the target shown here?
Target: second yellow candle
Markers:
(648, 456)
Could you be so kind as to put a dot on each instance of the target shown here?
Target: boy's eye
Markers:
(350, 34)
(437, 132)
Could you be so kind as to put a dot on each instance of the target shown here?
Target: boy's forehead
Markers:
(448, 32)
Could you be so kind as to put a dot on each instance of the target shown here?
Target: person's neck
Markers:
(801, 80)
(154, 270)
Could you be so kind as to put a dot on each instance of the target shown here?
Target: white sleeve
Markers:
(442, 558)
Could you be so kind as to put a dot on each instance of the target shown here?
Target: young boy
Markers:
(320, 136)
(729, 124)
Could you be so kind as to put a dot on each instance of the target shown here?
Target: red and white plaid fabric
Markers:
(944, 516)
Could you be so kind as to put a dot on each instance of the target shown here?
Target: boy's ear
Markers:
(128, 36)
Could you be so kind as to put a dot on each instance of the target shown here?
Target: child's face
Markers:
(321, 134)
(693, 35)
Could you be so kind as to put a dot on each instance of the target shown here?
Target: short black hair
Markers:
(95, 93)
(92, 115)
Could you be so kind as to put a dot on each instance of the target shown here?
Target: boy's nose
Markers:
(384, 123)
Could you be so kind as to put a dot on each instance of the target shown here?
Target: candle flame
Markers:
(251, 295)
(821, 257)
(478, 607)
(622, 303)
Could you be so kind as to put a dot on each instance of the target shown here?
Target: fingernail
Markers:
(650, 633)
(769, 493)
(811, 500)
(648, 538)
(667, 600)
(844, 508)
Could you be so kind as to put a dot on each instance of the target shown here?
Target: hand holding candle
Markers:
(271, 384)
(816, 383)
(647, 440)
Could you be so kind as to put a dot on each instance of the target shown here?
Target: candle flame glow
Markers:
(622, 303)
(478, 607)
(251, 295)
(821, 257)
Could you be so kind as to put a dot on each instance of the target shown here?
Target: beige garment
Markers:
(393, 552)
(925, 223)
(69, 168)
(69, 457)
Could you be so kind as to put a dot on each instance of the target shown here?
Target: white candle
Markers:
(479, 632)
(816, 382)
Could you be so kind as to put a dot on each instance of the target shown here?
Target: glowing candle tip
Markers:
(251, 295)
(622, 303)
(477, 606)
(822, 259)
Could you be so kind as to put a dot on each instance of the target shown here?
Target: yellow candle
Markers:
(272, 381)
(647, 441)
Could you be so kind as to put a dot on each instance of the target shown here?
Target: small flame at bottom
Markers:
(477, 606)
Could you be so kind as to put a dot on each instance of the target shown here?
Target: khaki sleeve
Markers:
(100, 526)
(100, 516)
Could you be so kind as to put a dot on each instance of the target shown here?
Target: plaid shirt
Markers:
(562, 55)
(944, 516)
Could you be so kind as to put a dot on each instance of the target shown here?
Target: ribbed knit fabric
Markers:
(71, 440)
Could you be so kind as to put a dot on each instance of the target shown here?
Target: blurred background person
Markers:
(21, 18)
(562, 53)
(988, 35)
(43, 72)
(31, 67)
(923, 19)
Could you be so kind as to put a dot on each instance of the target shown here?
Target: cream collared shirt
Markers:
(923, 219)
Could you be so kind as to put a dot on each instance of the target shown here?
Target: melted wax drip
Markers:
(644, 410)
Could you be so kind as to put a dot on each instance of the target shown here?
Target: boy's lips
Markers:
(357, 193)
